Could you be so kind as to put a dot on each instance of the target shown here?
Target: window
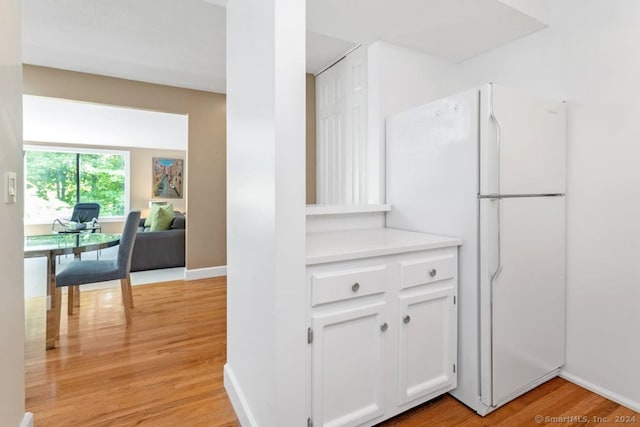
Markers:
(57, 178)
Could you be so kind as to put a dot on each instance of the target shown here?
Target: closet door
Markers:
(341, 144)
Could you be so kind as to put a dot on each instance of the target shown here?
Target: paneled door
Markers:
(341, 110)
(427, 350)
(347, 365)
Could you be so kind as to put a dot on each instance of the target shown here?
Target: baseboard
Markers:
(238, 401)
(621, 400)
(27, 420)
(205, 273)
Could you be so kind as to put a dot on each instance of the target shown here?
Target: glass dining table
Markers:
(52, 245)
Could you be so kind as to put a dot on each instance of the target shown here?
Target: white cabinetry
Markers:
(382, 335)
(347, 383)
(427, 335)
(426, 347)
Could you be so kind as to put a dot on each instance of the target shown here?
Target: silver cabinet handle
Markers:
(355, 287)
(406, 319)
(384, 327)
(433, 272)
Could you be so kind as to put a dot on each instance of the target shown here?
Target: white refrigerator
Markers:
(488, 165)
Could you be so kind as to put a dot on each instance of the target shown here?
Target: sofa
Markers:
(160, 249)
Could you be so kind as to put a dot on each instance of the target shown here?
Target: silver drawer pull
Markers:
(406, 319)
(433, 272)
(355, 287)
(384, 327)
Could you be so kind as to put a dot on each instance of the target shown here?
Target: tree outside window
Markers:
(56, 180)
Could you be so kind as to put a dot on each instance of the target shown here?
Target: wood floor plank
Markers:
(166, 369)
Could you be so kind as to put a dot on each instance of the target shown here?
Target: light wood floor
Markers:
(166, 369)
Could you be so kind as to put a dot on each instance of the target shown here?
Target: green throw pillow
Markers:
(161, 218)
(147, 221)
(153, 212)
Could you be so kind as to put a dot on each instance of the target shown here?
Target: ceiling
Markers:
(451, 29)
(182, 42)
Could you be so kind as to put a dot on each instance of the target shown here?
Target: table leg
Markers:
(52, 303)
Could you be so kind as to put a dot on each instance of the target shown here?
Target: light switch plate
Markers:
(10, 187)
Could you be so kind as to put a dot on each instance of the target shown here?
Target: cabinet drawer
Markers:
(345, 284)
(420, 272)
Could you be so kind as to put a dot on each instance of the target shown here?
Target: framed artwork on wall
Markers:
(167, 178)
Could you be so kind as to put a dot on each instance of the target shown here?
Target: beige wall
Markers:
(311, 139)
(206, 154)
(205, 179)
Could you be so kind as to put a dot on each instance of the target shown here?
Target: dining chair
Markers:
(91, 271)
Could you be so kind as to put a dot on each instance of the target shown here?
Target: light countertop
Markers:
(345, 245)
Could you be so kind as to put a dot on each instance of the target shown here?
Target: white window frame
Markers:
(68, 149)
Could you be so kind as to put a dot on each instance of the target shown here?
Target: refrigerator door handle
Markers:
(498, 137)
(496, 273)
(490, 401)
(491, 229)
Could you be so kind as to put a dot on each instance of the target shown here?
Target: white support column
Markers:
(265, 371)
(11, 261)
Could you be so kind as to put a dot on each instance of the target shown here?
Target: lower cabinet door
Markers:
(347, 365)
(427, 344)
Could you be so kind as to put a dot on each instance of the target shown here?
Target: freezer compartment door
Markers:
(523, 306)
(522, 143)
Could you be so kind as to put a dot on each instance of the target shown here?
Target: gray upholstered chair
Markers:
(82, 213)
(83, 272)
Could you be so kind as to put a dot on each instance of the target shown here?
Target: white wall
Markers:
(11, 271)
(69, 121)
(266, 348)
(399, 78)
(590, 57)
